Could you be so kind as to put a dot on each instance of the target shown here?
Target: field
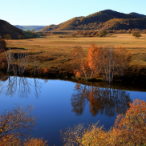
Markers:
(53, 53)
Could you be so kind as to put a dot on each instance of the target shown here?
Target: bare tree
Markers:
(72, 136)
(114, 60)
(9, 58)
(22, 62)
(18, 61)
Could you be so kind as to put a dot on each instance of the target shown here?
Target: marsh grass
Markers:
(54, 53)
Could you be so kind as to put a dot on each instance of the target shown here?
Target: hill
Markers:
(30, 27)
(136, 14)
(107, 19)
(7, 28)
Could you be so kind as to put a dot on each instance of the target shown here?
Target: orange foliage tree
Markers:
(15, 120)
(79, 61)
(105, 61)
(15, 124)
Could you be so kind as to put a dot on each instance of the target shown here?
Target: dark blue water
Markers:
(59, 104)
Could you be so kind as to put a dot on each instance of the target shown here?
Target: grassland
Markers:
(53, 54)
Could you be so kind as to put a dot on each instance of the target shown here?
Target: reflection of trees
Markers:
(19, 84)
(2, 79)
(37, 87)
(78, 100)
(101, 100)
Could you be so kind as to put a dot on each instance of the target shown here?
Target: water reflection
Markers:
(13, 84)
(106, 101)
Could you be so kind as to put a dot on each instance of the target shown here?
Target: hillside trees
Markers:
(102, 61)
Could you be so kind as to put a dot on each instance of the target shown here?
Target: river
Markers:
(60, 104)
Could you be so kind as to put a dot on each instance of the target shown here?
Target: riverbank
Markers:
(51, 56)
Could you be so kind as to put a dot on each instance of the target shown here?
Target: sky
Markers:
(47, 12)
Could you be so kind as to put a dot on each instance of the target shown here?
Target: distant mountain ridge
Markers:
(30, 27)
(106, 19)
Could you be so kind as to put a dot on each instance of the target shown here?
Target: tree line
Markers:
(105, 62)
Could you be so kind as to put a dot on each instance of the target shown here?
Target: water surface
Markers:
(59, 104)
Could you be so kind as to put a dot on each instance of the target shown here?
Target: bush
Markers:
(21, 37)
(136, 34)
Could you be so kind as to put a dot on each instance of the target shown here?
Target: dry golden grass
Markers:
(54, 52)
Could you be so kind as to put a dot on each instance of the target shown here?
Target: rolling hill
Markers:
(107, 19)
(7, 28)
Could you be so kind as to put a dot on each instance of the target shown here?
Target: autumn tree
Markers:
(2, 45)
(17, 123)
(136, 34)
(7, 37)
(103, 61)
(80, 66)
(131, 127)
(93, 61)
(21, 37)
(15, 120)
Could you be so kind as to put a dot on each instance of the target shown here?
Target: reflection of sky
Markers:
(53, 108)
(138, 95)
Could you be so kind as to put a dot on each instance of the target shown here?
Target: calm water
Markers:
(60, 104)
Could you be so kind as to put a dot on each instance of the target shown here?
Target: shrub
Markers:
(7, 36)
(136, 34)
(21, 37)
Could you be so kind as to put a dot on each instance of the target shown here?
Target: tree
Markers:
(136, 34)
(17, 123)
(79, 61)
(21, 37)
(131, 127)
(114, 60)
(103, 61)
(7, 37)
(2, 44)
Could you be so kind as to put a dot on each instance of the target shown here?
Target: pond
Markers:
(60, 104)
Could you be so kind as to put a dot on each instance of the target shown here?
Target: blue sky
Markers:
(46, 12)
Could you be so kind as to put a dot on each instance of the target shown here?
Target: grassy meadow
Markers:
(53, 53)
